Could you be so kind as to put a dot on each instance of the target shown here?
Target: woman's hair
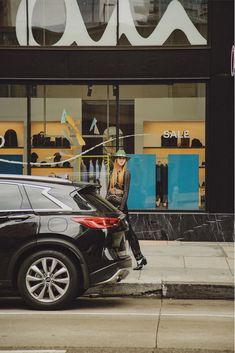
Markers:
(117, 176)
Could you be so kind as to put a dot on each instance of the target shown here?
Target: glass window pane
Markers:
(98, 202)
(168, 164)
(38, 200)
(94, 22)
(164, 22)
(13, 129)
(11, 198)
(69, 125)
(8, 12)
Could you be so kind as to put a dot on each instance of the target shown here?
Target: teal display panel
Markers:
(142, 194)
(183, 182)
(10, 168)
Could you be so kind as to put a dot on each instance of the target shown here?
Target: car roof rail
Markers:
(35, 178)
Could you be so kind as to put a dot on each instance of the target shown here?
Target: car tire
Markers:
(48, 280)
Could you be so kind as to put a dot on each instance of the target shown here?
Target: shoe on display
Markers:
(140, 263)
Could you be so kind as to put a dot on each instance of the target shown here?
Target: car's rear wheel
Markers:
(48, 280)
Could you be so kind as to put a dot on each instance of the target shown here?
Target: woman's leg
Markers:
(133, 240)
(134, 244)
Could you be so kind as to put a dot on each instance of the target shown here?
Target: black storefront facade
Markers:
(124, 68)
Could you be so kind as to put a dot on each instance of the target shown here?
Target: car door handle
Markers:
(18, 217)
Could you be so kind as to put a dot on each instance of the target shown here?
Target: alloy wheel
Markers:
(47, 279)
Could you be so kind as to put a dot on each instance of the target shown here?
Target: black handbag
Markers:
(115, 200)
(115, 196)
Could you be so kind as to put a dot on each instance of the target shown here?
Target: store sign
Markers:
(2, 141)
(174, 18)
(177, 134)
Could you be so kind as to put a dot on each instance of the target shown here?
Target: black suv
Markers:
(57, 239)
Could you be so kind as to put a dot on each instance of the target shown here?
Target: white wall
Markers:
(15, 109)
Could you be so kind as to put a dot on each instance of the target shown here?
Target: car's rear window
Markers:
(70, 198)
(81, 202)
(98, 202)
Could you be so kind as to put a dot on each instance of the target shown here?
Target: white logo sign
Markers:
(177, 134)
(175, 17)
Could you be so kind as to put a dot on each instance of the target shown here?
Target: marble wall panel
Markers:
(183, 226)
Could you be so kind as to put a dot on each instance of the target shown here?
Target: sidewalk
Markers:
(178, 269)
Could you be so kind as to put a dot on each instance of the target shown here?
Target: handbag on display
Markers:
(57, 157)
(10, 138)
(62, 142)
(185, 141)
(38, 139)
(58, 141)
(196, 143)
(33, 157)
(65, 143)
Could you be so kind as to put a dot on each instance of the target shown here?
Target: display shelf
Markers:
(58, 168)
(173, 147)
(12, 148)
(50, 148)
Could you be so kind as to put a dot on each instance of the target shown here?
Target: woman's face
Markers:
(121, 161)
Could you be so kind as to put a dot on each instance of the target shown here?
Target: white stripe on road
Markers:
(7, 313)
(199, 315)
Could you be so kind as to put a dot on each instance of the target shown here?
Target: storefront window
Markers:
(168, 167)
(103, 22)
(69, 124)
(166, 22)
(13, 129)
(8, 11)
(75, 129)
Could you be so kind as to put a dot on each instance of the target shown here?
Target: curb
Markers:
(173, 290)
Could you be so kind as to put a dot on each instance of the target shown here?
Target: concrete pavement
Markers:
(176, 269)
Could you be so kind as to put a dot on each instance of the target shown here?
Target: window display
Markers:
(74, 134)
(13, 129)
(170, 125)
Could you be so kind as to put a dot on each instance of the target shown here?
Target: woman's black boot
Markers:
(140, 263)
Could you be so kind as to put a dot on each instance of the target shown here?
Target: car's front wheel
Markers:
(48, 280)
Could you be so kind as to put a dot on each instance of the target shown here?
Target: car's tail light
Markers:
(97, 222)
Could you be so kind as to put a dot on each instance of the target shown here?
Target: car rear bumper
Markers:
(117, 277)
(112, 273)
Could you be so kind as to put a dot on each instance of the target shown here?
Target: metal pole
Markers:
(28, 88)
(44, 110)
(27, 21)
(108, 110)
(117, 117)
(117, 22)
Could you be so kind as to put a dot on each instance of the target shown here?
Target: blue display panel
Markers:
(183, 182)
(142, 194)
(10, 168)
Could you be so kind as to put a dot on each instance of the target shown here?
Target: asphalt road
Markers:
(119, 325)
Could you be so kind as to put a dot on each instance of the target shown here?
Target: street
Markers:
(119, 325)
